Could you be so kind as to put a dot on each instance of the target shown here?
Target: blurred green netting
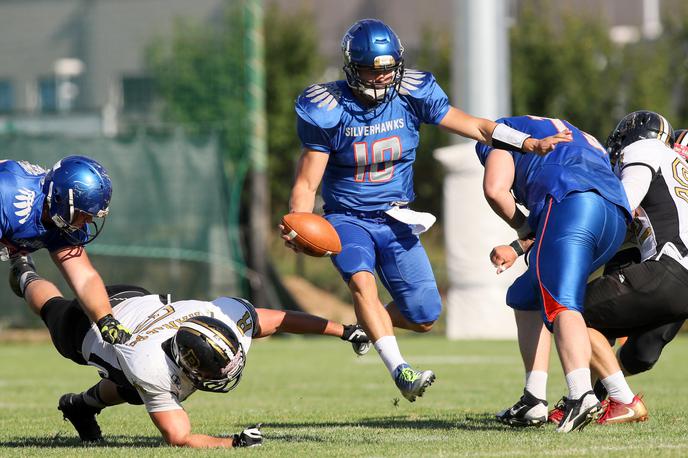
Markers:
(173, 224)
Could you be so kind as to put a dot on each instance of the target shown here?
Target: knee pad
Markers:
(421, 304)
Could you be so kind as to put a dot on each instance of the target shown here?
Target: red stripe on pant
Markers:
(552, 307)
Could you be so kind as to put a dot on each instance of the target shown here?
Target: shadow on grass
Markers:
(64, 441)
(473, 422)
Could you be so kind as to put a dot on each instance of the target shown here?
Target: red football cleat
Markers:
(555, 415)
(617, 412)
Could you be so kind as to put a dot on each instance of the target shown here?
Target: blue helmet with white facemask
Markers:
(373, 45)
(78, 192)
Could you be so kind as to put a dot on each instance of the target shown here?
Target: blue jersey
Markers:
(371, 150)
(21, 207)
(579, 165)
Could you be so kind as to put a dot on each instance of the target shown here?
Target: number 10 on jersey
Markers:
(378, 169)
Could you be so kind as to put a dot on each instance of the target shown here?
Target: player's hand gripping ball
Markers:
(311, 233)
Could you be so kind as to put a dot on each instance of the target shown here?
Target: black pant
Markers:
(637, 298)
(648, 302)
(641, 351)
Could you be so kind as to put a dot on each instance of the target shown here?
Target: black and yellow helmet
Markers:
(635, 126)
(209, 353)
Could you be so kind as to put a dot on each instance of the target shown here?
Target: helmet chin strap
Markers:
(375, 95)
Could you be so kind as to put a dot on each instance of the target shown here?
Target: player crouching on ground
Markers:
(176, 348)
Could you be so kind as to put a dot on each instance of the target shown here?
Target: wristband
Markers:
(505, 137)
(517, 247)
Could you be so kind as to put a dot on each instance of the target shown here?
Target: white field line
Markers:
(444, 359)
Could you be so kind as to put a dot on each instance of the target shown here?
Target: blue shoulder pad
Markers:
(425, 95)
(416, 83)
(320, 105)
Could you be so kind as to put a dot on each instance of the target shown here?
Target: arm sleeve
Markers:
(636, 180)
(640, 164)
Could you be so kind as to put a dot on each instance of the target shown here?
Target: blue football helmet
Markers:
(373, 45)
(78, 191)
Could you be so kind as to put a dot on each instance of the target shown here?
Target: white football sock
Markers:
(536, 384)
(618, 388)
(389, 351)
(579, 383)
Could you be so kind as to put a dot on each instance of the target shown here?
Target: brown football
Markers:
(312, 233)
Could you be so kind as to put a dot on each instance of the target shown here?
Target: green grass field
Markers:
(316, 398)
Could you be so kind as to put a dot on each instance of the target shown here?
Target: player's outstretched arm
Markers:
(273, 321)
(499, 135)
(89, 288)
(175, 427)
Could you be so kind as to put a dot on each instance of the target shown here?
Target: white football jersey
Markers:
(142, 361)
(661, 223)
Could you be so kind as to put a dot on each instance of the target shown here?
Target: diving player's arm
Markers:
(175, 427)
(499, 135)
(309, 173)
(84, 280)
(89, 288)
(273, 321)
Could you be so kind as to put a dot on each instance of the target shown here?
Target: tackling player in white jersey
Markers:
(176, 348)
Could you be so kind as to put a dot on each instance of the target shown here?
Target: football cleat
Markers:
(557, 413)
(528, 411)
(81, 416)
(412, 383)
(579, 412)
(616, 412)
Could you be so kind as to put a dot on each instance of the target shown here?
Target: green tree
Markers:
(434, 56)
(199, 78)
(292, 62)
(565, 68)
(200, 81)
(565, 65)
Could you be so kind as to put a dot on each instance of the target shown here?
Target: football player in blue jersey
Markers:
(640, 292)
(578, 215)
(359, 139)
(62, 210)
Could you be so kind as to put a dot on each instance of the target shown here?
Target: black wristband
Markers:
(517, 247)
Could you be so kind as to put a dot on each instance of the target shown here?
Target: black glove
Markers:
(250, 437)
(355, 334)
(112, 330)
